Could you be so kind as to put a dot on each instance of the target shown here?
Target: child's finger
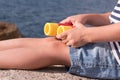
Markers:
(61, 36)
(65, 40)
(69, 43)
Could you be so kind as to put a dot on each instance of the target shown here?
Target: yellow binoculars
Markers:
(53, 29)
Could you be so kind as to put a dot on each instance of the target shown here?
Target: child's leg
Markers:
(33, 53)
(11, 43)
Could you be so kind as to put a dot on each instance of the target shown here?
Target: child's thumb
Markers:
(61, 36)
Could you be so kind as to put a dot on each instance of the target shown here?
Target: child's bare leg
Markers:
(34, 53)
(13, 43)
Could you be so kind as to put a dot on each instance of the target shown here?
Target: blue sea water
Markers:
(31, 15)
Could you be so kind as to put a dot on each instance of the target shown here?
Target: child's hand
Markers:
(73, 20)
(74, 37)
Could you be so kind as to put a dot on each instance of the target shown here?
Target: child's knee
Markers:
(54, 43)
(59, 51)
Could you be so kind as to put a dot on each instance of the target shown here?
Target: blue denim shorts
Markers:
(94, 60)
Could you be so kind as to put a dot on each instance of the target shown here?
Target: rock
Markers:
(49, 73)
(8, 31)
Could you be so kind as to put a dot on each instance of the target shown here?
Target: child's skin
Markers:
(34, 53)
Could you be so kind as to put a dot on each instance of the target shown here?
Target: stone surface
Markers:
(50, 73)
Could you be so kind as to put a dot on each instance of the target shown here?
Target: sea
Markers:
(31, 15)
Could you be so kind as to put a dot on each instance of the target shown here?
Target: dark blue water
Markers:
(31, 15)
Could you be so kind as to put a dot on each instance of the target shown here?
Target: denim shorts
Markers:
(94, 60)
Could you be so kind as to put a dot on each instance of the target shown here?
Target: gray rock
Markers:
(50, 73)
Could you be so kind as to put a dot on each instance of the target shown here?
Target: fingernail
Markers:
(58, 36)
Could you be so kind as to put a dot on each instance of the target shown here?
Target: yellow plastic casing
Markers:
(61, 29)
(50, 29)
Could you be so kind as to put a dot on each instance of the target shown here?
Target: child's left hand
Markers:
(74, 37)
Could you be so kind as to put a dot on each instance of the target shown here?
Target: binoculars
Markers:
(53, 29)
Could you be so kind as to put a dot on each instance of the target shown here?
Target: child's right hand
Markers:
(75, 37)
